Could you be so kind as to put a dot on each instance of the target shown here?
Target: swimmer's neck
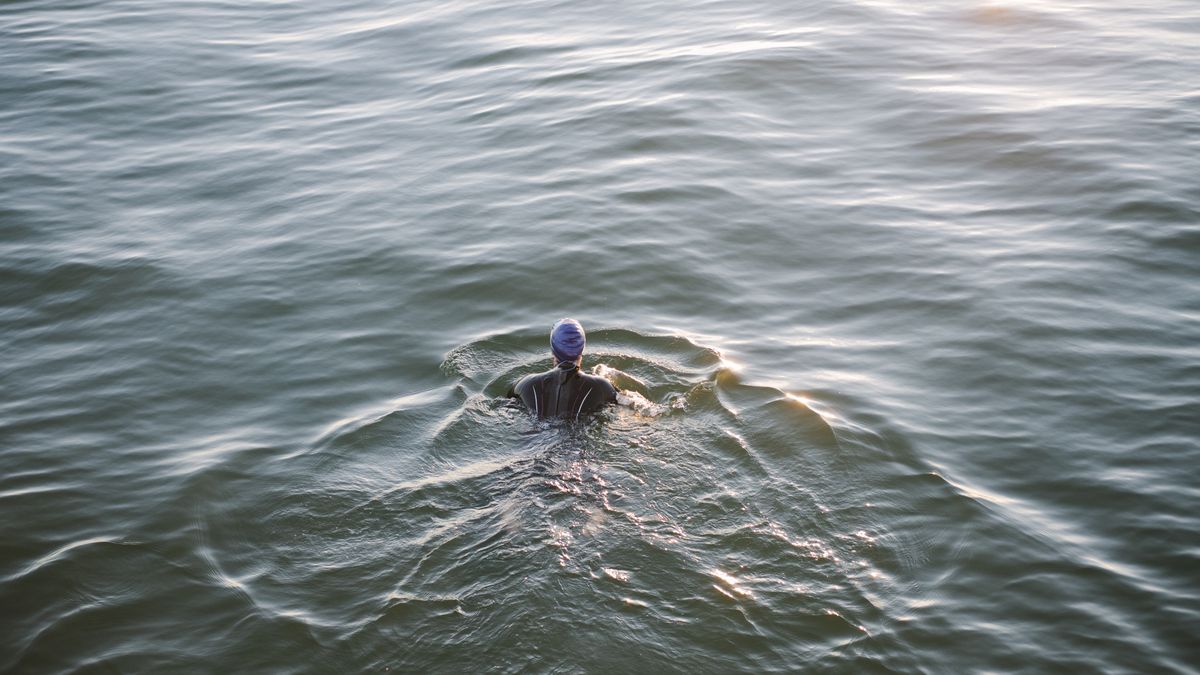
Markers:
(567, 365)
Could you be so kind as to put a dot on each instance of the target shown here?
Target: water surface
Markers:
(910, 295)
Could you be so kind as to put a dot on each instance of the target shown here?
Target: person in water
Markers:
(563, 391)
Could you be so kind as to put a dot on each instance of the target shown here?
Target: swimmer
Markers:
(563, 391)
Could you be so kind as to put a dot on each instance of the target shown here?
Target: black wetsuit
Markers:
(564, 392)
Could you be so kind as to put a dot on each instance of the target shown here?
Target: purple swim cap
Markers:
(567, 340)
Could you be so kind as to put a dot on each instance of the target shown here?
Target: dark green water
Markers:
(911, 290)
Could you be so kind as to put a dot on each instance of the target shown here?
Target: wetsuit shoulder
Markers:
(515, 390)
(596, 392)
(603, 387)
(526, 384)
(526, 389)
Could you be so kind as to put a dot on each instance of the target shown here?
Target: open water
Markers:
(908, 295)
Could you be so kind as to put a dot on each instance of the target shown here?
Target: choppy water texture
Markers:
(906, 292)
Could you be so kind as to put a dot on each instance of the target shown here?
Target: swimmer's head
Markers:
(567, 340)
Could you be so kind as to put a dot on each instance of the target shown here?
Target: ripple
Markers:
(900, 299)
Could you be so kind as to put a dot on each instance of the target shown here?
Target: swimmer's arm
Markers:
(615, 378)
(619, 379)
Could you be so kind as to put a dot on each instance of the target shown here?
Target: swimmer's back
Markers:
(564, 392)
